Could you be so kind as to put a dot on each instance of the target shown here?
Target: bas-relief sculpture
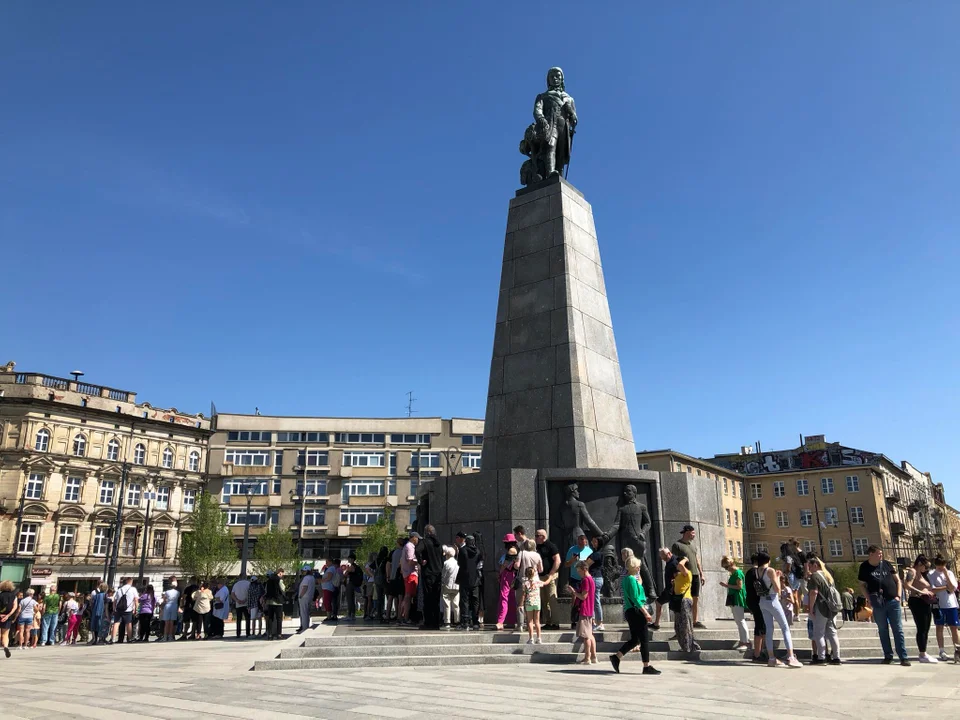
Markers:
(548, 141)
(630, 530)
(574, 517)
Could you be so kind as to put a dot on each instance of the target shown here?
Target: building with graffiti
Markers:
(837, 501)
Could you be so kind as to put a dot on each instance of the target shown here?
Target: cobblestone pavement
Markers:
(214, 680)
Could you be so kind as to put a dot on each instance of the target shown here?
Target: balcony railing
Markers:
(898, 528)
(893, 496)
(58, 383)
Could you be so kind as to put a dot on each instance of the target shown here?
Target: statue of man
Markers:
(630, 528)
(573, 516)
(556, 119)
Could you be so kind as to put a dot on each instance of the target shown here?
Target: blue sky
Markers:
(301, 206)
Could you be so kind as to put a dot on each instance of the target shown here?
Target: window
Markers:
(803, 487)
(139, 455)
(71, 490)
(133, 495)
(836, 548)
(43, 440)
(113, 450)
(826, 486)
(34, 489)
(779, 490)
(853, 483)
(471, 461)
(162, 499)
(679, 467)
(730, 548)
(314, 518)
(80, 445)
(759, 521)
(106, 492)
(424, 460)
(413, 516)
(248, 436)
(410, 439)
(237, 517)
(361, 488)
(274, 517)
(259, 458)
(728, 516)
(194, 461)
(313, 458)
(392, 470)
(67, 539)
(312, 487)
(278, 463)
(739, 549)
(471, 440)
(369, 438)
(275, 486)
(860, 546)
(698, 471)
(756, 491)
(283, 437)
(725, 487)
(644, 466)
(159, 543)
(28, 538)
(239, 487)
(761, 547)
(101, 539)
(359, 516)
(358, 458)
(736, 518)
(809, 546)
(414, 485)
(783, 519)
(189, 500)
(806, 518)
(128, 545)
(740, 488)
(167, 458)
(856, 515)
(830, 516)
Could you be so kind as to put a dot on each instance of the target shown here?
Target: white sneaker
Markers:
(530, 641)
(943, 656)
(600, 628)
(928, 659)
(538, 641)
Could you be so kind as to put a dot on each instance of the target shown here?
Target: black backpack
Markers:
(121, 604)
(759, 586)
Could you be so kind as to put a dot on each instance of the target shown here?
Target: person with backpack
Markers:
(823, 605)
(124, 607)
(767, 586)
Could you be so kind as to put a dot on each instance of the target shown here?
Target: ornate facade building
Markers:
(72, 455)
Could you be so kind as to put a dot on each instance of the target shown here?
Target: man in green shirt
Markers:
(51, 615)
(684, 548)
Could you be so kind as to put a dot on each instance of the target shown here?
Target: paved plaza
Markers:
(214, 680)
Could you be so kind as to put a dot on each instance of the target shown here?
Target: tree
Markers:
(207, 551)
(382, 532)
(275, 548)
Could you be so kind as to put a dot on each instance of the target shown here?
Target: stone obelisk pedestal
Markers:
(556, 410)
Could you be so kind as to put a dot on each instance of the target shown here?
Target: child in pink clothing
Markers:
(531, 604)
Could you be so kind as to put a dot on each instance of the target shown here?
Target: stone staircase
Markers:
(376, 646)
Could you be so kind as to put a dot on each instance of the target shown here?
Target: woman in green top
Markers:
(635, 612)
(736, 598)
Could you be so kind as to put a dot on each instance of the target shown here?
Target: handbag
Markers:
(676, 603)
(218, 605)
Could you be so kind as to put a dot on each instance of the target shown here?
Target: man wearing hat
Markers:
(685, 549)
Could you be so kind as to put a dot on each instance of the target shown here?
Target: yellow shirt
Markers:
(681, 584)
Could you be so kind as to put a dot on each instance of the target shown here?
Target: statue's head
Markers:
(572, 491)
(628, 495)
(555, 79)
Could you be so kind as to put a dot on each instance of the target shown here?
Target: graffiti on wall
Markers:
(850, 456)
(802, 458)
(814, 459)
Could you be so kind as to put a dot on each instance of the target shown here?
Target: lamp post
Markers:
(151, 495)
(249, 485)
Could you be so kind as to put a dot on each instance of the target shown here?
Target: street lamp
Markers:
(249, 487)
(151, 494)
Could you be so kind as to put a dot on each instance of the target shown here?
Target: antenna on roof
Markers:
(410, 400)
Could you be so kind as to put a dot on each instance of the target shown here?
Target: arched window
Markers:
(194, 461)
(168, 458)
(139, 454)
(79, 445)
(113, 450)
(43, 440)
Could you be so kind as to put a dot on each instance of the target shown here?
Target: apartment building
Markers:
(836, 500)
(326, 479)
(72, 454)
(730, 488)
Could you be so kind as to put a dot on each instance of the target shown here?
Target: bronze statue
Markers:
(549, 140)
(630, 528)
(574, 516)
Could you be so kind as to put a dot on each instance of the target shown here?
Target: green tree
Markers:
(207, 551)
(383, 532)
(275, 548)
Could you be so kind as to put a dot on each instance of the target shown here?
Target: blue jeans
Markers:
(773, 612)
(597, 607)
(48, 625)
(889, 616)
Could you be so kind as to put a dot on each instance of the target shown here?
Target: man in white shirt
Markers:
(944, 583)
(238, 594)
(125, 601)
(308, 586)
(221, 608)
